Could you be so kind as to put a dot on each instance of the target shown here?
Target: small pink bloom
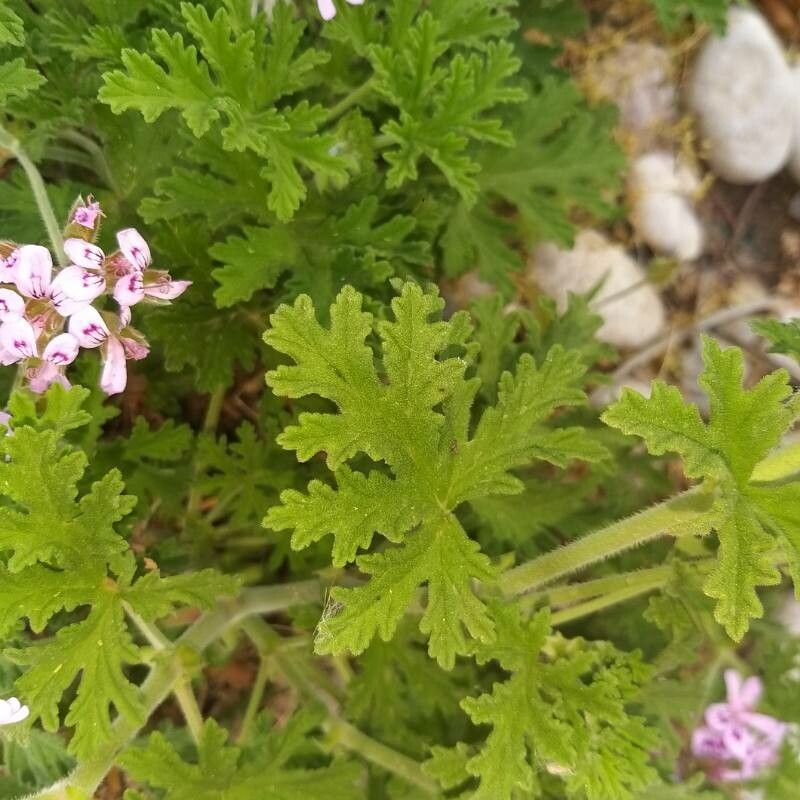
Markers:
(88, 327)
(114, 377)
(41, 378)
(84, 254)
(86, 216)
(34, 270)
(77, 283)
(11, 304)
(327, 9)
(61, 350)
(129, 289)
(17, 340)
(8, 268)
(67, 292)
(166, 289)
(134, 248)
(737, 742)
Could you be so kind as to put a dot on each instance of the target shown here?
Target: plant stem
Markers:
(690, 512)
(604, 601)
(345, 735)
(183, 688)
(254, 703)
(587, 590)
(90, 146)
(39, 191)
(349, 100)
(213, 412)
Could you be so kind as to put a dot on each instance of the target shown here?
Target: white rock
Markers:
(660, 192)
(637, 77)
(631, 319)
(742, 91)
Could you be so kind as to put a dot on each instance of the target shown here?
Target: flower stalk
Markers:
(10, 143)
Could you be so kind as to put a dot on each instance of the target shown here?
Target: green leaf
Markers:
(565, 706)
(229, 82)
(565, 158)
(409, 408)
(11, 30)
(744, 427)
(783, 336)
(168, 443)
(251, 263)
(154, 597)
(97, 649)
(221, 771)
(442, 109)
(671, 13)
(17, 80)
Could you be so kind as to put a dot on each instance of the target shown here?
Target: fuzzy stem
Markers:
(39, 191)
(213, 412)
(93, 149)
(604, 601)
(689, 512)
(182, 689)
(349, 100)
(343, 734)
(588, 590)
(254, 702)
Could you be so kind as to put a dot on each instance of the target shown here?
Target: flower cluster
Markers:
(328, 10)
(37, 305)
(737, 742)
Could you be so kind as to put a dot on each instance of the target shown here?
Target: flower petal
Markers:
(129, 290)
(84, 254)
(115, 371)
(44, 376)
(11, 304)
(134, 248)
(167, 289)
(61, 349)
(88, 327)
(326, 9)
(18, 338)
(8, 268)
(34, 270)
(77, 283)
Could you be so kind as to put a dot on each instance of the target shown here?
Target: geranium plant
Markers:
(308, 531)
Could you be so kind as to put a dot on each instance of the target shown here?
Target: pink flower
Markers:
(736, 741)
(327, 9)
(17, 340)
(8, 267)
(134, 249)
(71, 289)
(86, 216)
(91, 330)
(84, 254)
(136, 286)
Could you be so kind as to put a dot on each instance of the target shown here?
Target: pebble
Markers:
(741, 90)
(661, 192)
(630, 320)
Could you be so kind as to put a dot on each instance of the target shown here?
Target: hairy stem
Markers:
(93, 149)
(10, 143)
(690, 512)
(349, 100)
(210, 422)
(343, 734)
(183, 688)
